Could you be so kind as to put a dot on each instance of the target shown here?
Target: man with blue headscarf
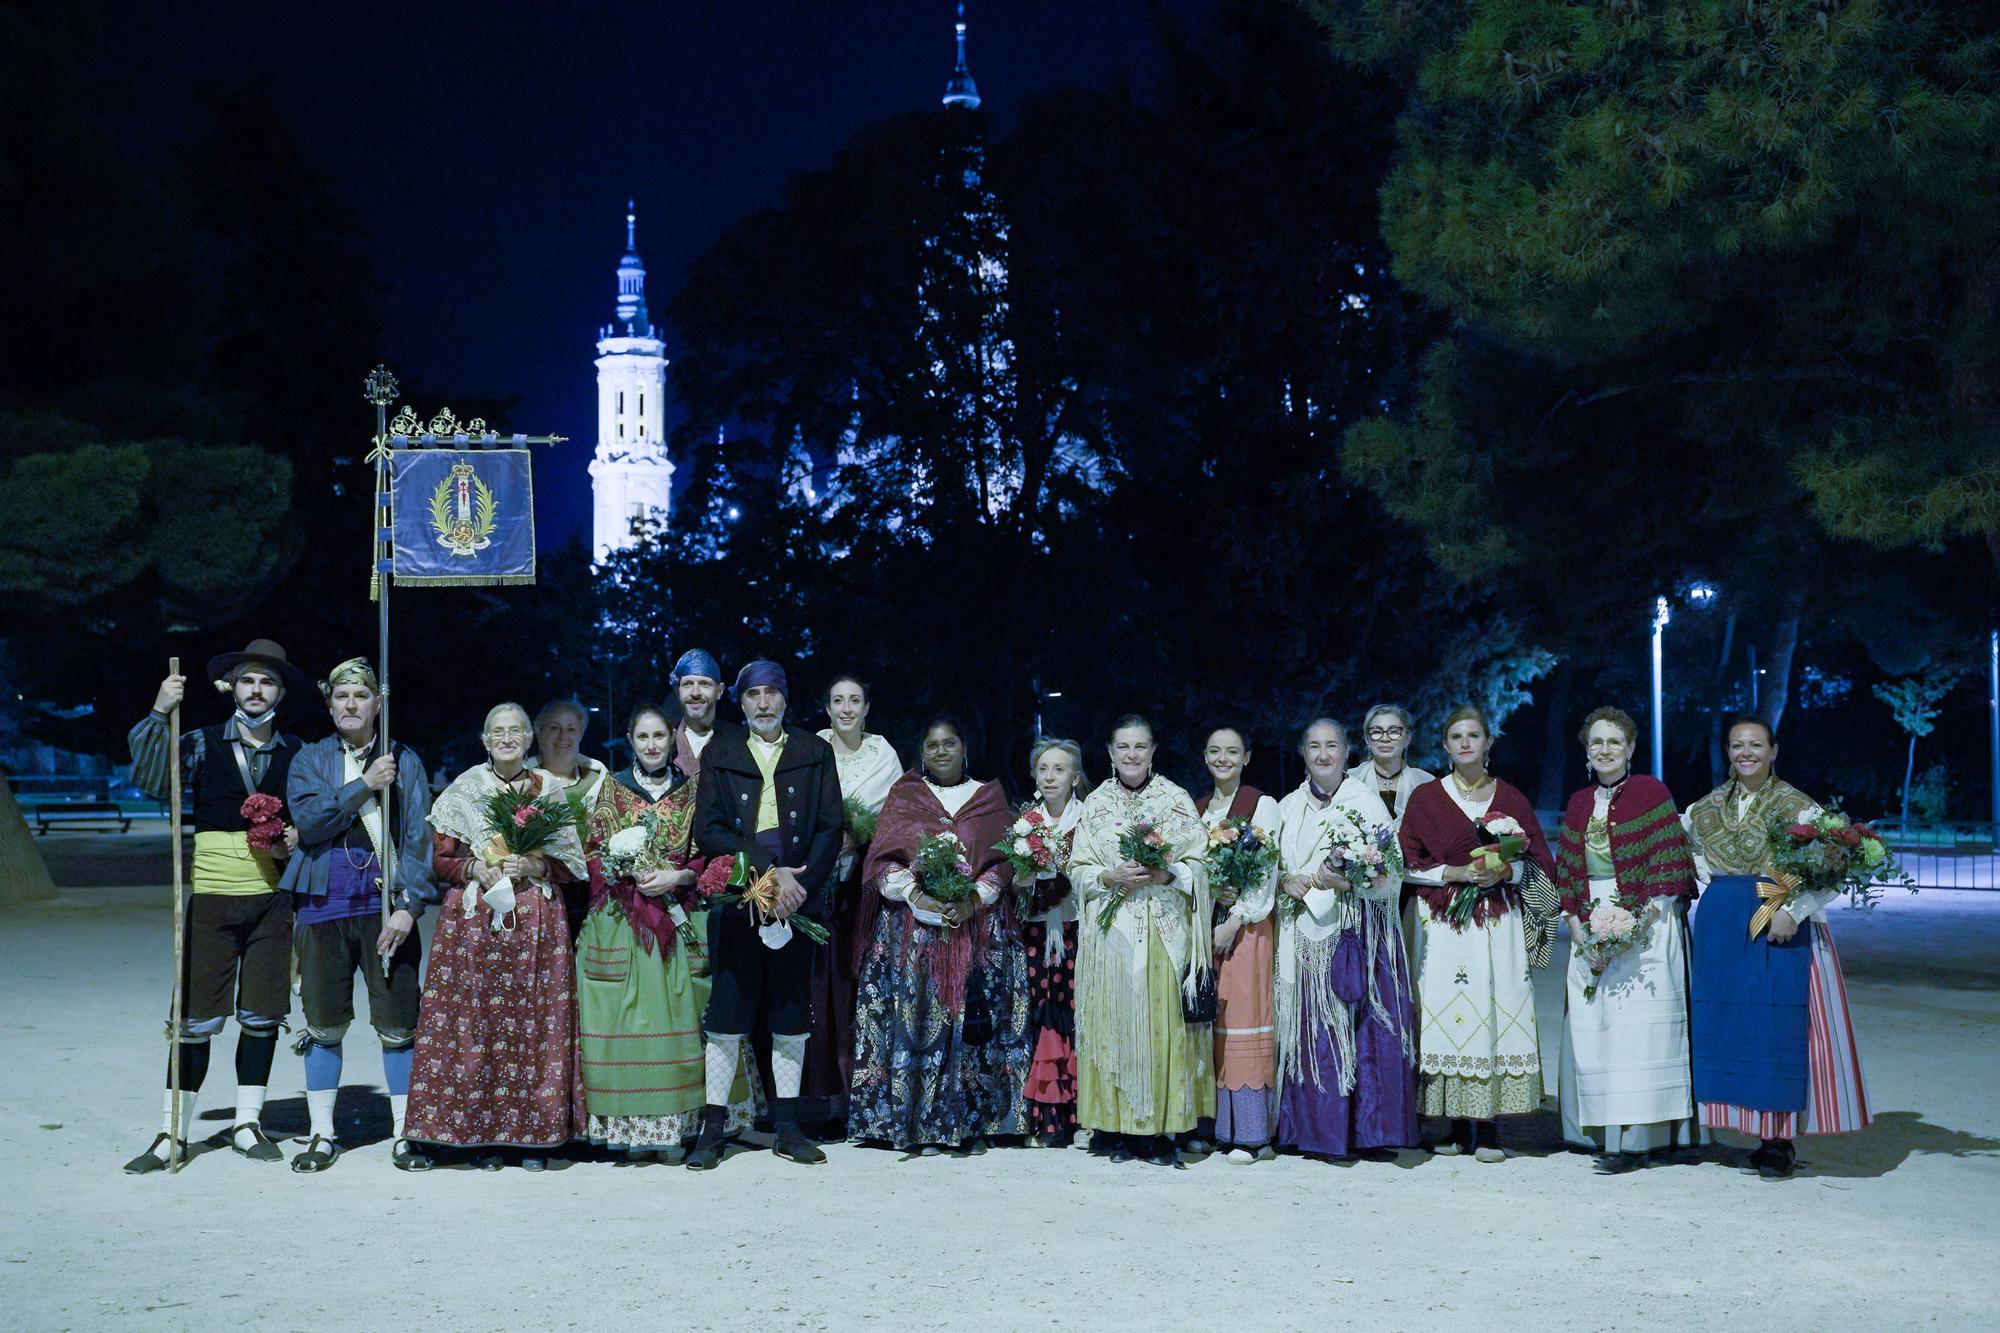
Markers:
(771, 794)
(697, 682)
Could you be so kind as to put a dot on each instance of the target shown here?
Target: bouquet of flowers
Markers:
(1361, 855)
(1825, 851)
(1032, 844)
(1144, 845)
(733, 881)
(267, 820)
(1502, 841)
(860, 822)
(634, 850)
(522, 823)
(1239, 854)
(1611, 929)
(943, 868)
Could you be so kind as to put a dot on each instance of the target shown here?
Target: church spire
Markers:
(631, 306)
(960, 90)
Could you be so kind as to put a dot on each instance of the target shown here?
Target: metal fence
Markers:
(1945, 854)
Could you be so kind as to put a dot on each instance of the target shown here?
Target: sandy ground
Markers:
(1888, 1229)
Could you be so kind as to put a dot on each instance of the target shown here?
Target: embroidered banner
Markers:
(463, 516)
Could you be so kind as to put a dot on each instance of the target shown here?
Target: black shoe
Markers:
(1759, 1156)
(1618, 1163)
(1460, 1139)
(1162, 1152)
(147, 1162)
(489, 1161)
(534, 1163)
(706, 1154)
(405, 1158)
(1779, 1161)
(1121, 1149)
(320, 1154)
(261, 1148)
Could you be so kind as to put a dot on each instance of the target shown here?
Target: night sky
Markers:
(488, 149)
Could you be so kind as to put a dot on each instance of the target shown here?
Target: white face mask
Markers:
(775, 934)
(499, 901)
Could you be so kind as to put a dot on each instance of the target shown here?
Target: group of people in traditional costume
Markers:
(750, 926)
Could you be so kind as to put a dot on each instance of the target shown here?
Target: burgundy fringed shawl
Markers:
(1649, 848)
(909, 815)
(1437, 833)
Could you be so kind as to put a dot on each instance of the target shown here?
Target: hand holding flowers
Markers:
(1611, 929)
(1141, 845)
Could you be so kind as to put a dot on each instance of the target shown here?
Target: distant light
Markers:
(1053, 694)
(734, 512)
(593, 708)
(1662, 614)
(1702, 593)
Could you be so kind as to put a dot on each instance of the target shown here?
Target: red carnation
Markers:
(265, 815)
(1803, 832)
(1847, 837)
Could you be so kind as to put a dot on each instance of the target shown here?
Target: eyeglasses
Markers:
(1387, 733)
(508, 733)
(1606, 745)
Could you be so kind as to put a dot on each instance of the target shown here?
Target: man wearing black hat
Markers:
(772, 794)
(237, 938)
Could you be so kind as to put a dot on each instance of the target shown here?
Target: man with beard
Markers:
(237, 935)
(771, 794)
(697, 681)
(336, 886)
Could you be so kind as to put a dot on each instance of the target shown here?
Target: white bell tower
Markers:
(631, 477)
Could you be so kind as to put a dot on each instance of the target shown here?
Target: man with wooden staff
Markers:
(335, 881)
(237, 938)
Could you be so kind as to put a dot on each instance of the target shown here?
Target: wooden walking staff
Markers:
(174, 1005)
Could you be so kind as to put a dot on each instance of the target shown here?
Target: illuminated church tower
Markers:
(631, 478)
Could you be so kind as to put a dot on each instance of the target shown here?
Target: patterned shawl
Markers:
(621, 803)
(1740, 844)
(460, 812)
(1649, 850)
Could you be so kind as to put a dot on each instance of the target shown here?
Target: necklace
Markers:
(1469, 788)
(1380, 776)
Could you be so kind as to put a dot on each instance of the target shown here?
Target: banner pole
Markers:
(381, 391)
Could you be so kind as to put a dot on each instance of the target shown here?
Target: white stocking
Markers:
(788, 1064)
(720, 1067)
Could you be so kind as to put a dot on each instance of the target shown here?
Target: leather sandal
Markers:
(406, 1158)
(320, 1154)
(149, 1161)
(261, 1148)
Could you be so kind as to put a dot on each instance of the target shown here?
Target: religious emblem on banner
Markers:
(463, 511)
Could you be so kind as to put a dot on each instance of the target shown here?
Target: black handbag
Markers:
(976, 1027)
(1200, 1006)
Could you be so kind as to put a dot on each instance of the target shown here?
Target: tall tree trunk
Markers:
(1778, 688)
(1909, 772)
(24, 876)
(1718, 691)
(1556, 739)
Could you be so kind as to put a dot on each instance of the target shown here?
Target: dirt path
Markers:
(1889, 1229)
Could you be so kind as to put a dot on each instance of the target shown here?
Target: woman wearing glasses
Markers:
(1625, 868)
(1386, 729)
(497, 1032)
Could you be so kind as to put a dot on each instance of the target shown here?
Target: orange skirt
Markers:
(1246, 1035)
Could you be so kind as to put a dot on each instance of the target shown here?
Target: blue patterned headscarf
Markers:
(696, 662)
(760, 672)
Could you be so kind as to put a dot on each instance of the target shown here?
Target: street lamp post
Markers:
(1662, 615)
(1993, 717)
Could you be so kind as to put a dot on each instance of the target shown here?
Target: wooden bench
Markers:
(87, 813)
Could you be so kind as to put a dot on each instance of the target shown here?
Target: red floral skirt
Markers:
(1050, 1093)
(496, 1039)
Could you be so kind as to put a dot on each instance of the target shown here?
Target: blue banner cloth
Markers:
(463, 516)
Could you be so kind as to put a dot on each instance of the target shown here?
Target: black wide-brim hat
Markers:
(265, 653)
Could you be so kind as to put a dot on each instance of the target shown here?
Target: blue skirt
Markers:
(1747, 1025)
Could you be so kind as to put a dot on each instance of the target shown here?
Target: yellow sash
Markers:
(1772, 890)
(225, 863)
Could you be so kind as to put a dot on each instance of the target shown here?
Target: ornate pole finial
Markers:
(380, 387)
(631, 223)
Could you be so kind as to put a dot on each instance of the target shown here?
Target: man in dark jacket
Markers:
(772, 794)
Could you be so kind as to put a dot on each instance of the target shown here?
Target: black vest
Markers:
(217, 799)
